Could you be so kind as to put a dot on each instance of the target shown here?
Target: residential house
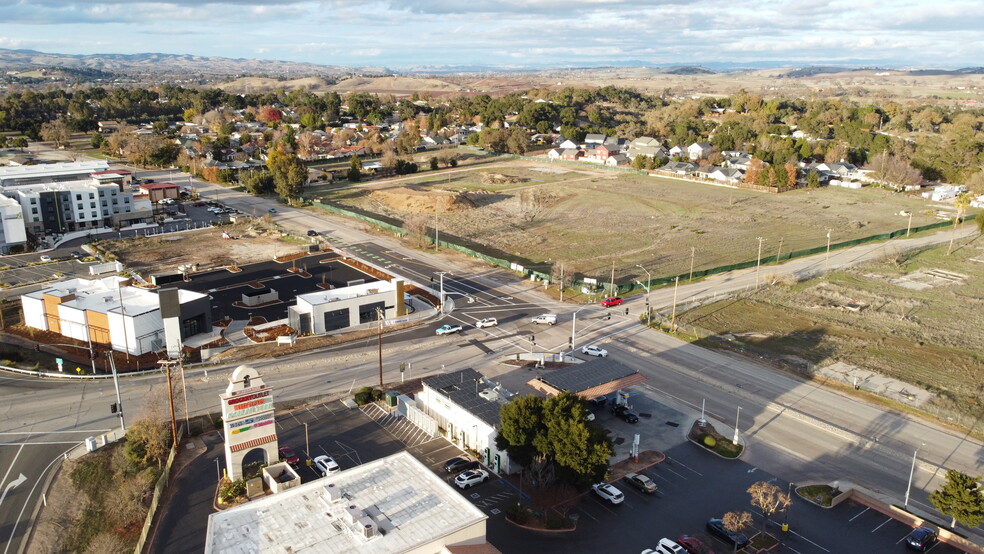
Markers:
(677, 152)
(699, 150)
(617, 160)
(568, 143)
(646, 146)
(680, 168)
(727, 175)
(595, 139)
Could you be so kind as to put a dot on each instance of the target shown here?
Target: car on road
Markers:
(46, 258)
(448, 329)
(76, 254)
(287, 454)
(693, 545)
(735, 540)
(594, 351)
(625, 414)
(611, 301)
(326, 465)
(641, 482)
(471, 478)
(454, 465)
(665, 546)
(608, 492)
(272, 210)
(921, 539)
(312, 233)
(549, 319)
(487, 322)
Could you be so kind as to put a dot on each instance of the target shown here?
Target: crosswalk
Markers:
(396, 425)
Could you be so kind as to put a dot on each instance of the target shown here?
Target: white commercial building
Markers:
(321, 312)
(110, 312)
(64, 207)
(467, 406)
(12, 229)
(387, 506)
(17, 175)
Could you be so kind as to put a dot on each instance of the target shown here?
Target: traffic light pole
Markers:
(116, 383)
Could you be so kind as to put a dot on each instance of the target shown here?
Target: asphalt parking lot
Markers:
(693, 486)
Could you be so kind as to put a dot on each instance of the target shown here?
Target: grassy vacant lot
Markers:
(592, 217)
(915, 317)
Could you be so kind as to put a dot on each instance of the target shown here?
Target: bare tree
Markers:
(532, 203)
(894, 171)
(736, 522)
(769, 499)
(56, 132)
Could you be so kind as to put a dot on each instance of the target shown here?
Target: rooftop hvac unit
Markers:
(334, 493)
(355, 514)
(369, 527)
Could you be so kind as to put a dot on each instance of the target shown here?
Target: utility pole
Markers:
(780, 249)
(693, 254)
(758, 263)
(673, 317)
(614, 293)
(649, 286)
(184, 391)
(116, 383)
(561, 285)
(379, 343)
(441, 300)
(908, 227)
(826, 259)
(170, 399)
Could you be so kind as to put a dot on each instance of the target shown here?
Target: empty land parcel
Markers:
(587, 217)
(912, 316)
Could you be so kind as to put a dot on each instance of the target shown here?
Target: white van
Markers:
(549, 319)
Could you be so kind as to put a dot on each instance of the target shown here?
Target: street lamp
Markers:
(826, 259)
(649, 285)
(912, 470)
(574, 329)
(441, 274)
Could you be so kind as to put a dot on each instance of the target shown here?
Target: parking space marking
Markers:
(680, 475)
(314, 415)
(809, 541)
(889, 520)
(859, 514)
(685, 466)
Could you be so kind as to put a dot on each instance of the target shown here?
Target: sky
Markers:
(512, 33)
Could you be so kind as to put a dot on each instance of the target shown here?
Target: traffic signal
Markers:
(626, 311)
(532, 338)
(37, 347)
(609, 317)
(92, 355)
(113, 407)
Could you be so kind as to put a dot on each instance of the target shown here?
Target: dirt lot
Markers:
(589, 217)
(914, 317)
(253, 242)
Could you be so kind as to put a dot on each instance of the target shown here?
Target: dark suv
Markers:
(625, 414)
(455, 465)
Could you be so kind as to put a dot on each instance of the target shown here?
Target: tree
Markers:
(769, 499)
(96, 141)
(55, 132)
(736, 522)
(754, 171)
(19, 142)
(961, 498)
(434, 163)
(288, 171)
(813, 179)
(355, 170)
(257, 182)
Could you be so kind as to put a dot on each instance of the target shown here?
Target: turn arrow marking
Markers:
(12, 485)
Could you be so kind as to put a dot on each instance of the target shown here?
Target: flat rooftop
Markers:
(407, 503)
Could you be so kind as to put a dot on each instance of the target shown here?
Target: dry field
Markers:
(157, 254)
(915, 317)
(591, 217)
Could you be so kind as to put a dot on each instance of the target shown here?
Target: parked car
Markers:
(471, 478)
(625, 414)
(487, 322)
(641, 482)
(589, 415)
(454, 465)
(287, 455)
(448, 329)
(326, 465)
(45, 258)
(611, 301)
(598, 402)
(549, 319)
(736, 540)
(608, 492)
(693, 545)
(921, 539)
(76, 254)
(272, 210)
(594, 351)
(665, 546)
(312, 233)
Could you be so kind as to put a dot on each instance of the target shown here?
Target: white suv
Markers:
(608, 492)
(326, 465)
(487, 322)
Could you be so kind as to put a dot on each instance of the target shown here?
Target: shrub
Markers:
(555, 522)
(364, 396)
(232, 490)
(710, 441)
(518, 513)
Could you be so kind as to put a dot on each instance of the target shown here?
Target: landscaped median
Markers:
(703, 434)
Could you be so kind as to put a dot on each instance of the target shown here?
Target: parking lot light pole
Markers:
(912, 471)
(735, 440)
(649, 285)
(441, 300)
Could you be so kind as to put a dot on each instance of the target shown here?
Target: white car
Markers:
(45, 258)
(487, 322)
(594, 351)
(471, 478)
(665, 546)
(608, 492)
(326, 465)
